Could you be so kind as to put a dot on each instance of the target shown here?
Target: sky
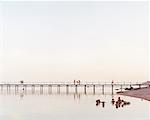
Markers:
(63, 41)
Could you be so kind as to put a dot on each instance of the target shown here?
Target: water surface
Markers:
(39, 105)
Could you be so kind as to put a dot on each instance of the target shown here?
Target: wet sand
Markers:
(143, 93)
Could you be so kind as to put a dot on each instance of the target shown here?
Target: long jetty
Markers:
(67, 85)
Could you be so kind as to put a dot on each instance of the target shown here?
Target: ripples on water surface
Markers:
(44, 105)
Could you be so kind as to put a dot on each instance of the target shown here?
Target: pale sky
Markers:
(63, 41)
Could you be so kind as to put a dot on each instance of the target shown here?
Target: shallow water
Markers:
(27, 105)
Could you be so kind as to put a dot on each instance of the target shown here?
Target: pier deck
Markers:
(59, 85)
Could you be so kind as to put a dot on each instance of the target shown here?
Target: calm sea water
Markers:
(39, 105)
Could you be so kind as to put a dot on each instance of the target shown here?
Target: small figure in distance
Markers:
(119, 100)
(116, 105)
(21, 81)
(78, 82)
(113, 101)
(126, 103)
(98, 102)
(103, 104)
(131, 88)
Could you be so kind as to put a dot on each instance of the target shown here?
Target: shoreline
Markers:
(143, 93)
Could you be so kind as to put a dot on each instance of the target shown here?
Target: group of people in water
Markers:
(98, 103)
(118, 103)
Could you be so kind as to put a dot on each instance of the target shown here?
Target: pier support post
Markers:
(67, 89)
(76, 90)
(49, 89)
(1, 87)
(103, 89)
(84, 89)
(58, 89)
(41, 89)
(16, 88)
(93, 89)
(8, 88)
(25, 88)
(112, 89)
(33, 89)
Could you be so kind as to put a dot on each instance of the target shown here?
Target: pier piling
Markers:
(33, 89)
(84, 89)
(41, 89)
(76, 90)
(67, 89)
(58, 88)
(112, 89)
(103, 89)
(1, 87)
(93, 89)
(49, 89)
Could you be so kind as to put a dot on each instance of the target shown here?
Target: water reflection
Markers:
(70, 106)
(21, 95)
(118, 103)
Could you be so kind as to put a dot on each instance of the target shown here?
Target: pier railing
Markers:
(72, 83)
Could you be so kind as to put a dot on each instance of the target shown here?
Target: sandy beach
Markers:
(143, 93)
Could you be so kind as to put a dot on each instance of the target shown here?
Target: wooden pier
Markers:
(49, 85)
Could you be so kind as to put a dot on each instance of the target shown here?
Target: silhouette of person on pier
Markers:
(76, 81)
(21, 81)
